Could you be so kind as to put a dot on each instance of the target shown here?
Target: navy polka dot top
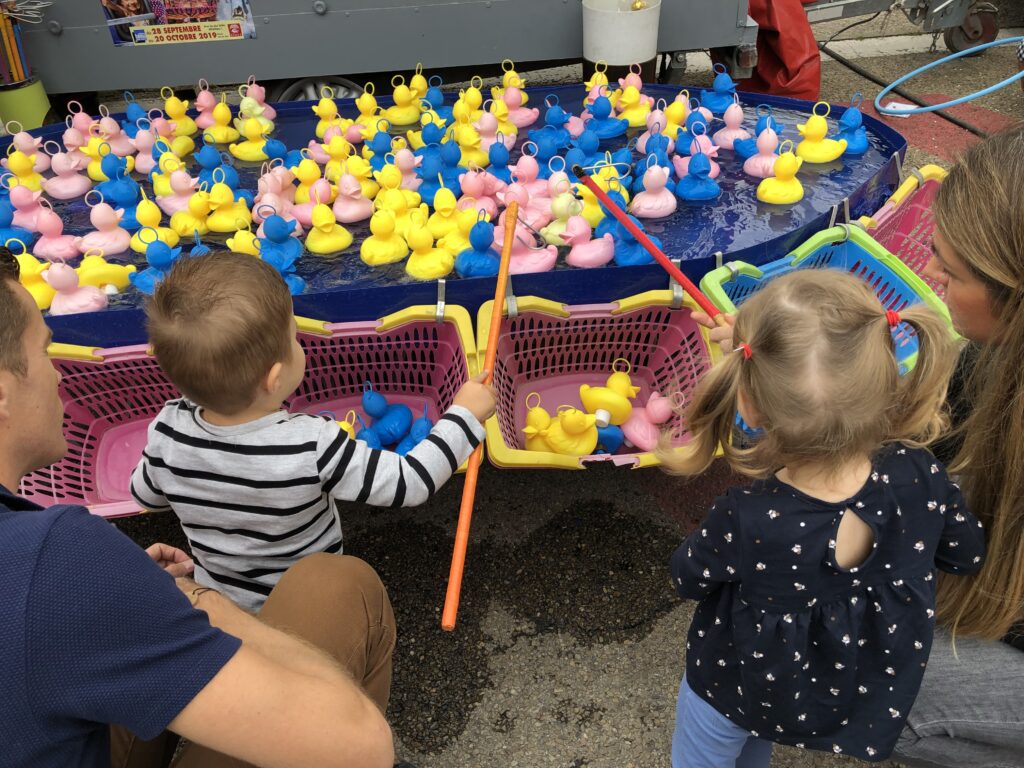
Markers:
(798, 650)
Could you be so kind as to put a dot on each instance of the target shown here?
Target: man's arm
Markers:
(281, 702)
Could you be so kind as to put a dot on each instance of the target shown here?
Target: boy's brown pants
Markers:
(335, 602)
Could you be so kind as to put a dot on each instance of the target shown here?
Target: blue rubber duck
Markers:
(391, 422)
(9, 232)
(851, 128)
(480, 259)
(608, 224)
(601, 121)
(697, 185)
(555, 119)
(417, 434)
(609, 439)
(431, 183)
(721, 96)
(211, 160)
(161, 258)
(629, 252)
(451, 154)
(432, 133)
(548, 146)
(120, 190)
(498, 155)
(435, 97)
(380, 145)
(133, 112)
(641, 166)
(281, 251)
(589, 145)
(747, 148)
(367, 435)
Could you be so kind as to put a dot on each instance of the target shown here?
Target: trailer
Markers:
(96, 45)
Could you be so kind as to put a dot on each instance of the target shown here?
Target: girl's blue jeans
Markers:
(706, 739)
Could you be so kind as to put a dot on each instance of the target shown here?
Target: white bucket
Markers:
(618, 35)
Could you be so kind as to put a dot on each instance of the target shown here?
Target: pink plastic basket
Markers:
(552, 349)
(904, 225)
(111, 395)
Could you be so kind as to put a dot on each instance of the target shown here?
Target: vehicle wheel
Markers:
(978, 28)
(310, 88)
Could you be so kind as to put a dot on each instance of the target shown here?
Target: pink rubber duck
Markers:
(78, 118)
(145, 140)
(762, 165)
(586, 252)
(734, 129)
(72, 298)
(273, 204)
(656, 122)
(681, 163)
(276, 179)
(23, 141)
(26, 207)
(407, 163)
(527, 255)
(535, 215)
(696, 107)
(317, 153)
(73, 141)
(558, 181)
(641, 429)
(656, 201)
(520, 116)
(474, 193)
(118, 140)
(319, 191)
(526, 170)
(183, 187)
(68, 183)
(258, 93)
(351, 205)
(633, 78)
(487, 127)
(206, 100)
(493, 186)
(53, 244)
(108, 235)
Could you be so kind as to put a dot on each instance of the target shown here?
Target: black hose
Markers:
(899, 91)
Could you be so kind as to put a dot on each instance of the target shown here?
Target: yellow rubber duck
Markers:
(537, 422)
(473, 98)
(406, 110)
(427, 116)
(366, 103)
(456, 241)
(426, 262)
(222, 132)
(468, 139)
(31, 276)
(384, 245)
(307, 172)
(96, 148)
(390, 177)
(510, 78)
(445, 217)
(348, 425)
(250, 109)
(675, 116)
(785, 188)
(250, 150)
(633, 108)
(500, 110)
(177, 111)
(620, 382)
(572, 432)
(23, 168)
(611, 403)
(326, 235)
(148, 214)
(327, 110)
(97, 271)
(244, 241)
(418, 81)
(591, 207)
(815, 148)
(339, 150)
(185, 223)
(166, 165)
(363, 171)
(600, 76)
(227, 214)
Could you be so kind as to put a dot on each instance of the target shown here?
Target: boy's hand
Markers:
(476, 397)
(171, 559)
(720, 333)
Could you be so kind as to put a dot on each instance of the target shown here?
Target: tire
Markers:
(309, 89)
(981, 27)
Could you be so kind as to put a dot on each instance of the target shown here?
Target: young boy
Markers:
(254, 486)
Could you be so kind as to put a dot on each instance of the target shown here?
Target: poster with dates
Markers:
(170, 22)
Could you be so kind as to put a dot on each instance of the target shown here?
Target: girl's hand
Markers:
(720, 333)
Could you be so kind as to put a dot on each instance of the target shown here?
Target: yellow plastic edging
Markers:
(911, 183)
(517, 458)
(309, 325)
(74, 352)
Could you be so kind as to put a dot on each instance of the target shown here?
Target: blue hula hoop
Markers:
(932, 108)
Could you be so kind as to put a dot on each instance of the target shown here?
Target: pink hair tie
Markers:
(892, 317)
(745, 349)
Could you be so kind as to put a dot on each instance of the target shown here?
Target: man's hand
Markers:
(171, 559)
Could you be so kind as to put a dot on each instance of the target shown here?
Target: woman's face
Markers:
(967, 297)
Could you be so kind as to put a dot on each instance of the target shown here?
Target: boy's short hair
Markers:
(218, 324)
(13, 318)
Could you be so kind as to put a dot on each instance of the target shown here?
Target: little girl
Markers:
(817, 582)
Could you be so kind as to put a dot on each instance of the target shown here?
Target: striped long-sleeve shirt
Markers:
(255, 498)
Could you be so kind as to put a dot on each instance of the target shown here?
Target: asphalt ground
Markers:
(569, 644)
